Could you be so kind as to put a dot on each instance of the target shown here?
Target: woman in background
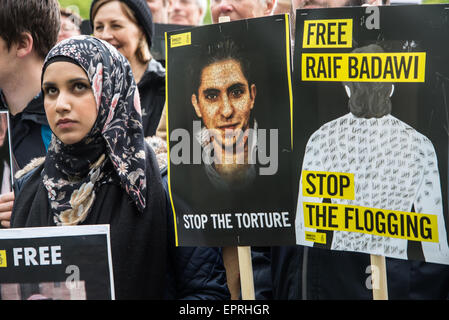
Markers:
(128, 26)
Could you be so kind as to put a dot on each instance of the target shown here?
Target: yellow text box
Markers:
(379, 222)
(181, 39)
(332, 33)
(3, 262)
(318, 237)
(364, 67)
(328, 184)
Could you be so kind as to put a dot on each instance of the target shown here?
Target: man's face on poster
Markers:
(224, 101)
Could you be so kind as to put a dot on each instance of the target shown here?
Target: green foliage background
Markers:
(84, 6)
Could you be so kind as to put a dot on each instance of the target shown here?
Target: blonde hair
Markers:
(143, 54)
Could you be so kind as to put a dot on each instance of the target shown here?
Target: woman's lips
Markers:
(65, 123)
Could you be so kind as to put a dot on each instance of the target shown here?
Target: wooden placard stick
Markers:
(379, 277)
(246, 273)
(231, 263)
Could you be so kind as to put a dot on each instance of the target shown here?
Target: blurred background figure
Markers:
(128, 26)
(282, 6)
(5, 165)
(240, 9)
(159, 10)
(187, 12)
(70, 24)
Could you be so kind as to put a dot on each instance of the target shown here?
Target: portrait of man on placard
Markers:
(224, 99)
(236, 121)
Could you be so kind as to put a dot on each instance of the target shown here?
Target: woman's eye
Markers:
(50, 91)
(79, 87)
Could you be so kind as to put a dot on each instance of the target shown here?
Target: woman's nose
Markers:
(105, 34)
(63, 103)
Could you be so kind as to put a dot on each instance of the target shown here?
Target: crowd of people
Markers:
(87, 123)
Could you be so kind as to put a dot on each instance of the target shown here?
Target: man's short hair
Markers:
(216, 52)
(41, 18)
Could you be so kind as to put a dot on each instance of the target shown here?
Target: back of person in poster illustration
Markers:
(372, 148)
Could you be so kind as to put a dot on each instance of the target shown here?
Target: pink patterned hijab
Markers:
(114, 149)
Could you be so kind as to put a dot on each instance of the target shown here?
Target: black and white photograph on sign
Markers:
(371, 131)
(6, 172)
(230, 133)
(56, 263)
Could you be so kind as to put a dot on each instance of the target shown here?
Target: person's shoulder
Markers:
(157, 146)
(30, 167)
(156, 67)
(154, 75)
(23, 175)
(417, 141)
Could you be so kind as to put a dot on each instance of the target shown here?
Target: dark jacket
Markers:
(152, 96)
(197, 273)
(312, 273)
(30, 133)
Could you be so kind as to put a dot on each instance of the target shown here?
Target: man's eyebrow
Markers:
(238, 85)
(210, 90)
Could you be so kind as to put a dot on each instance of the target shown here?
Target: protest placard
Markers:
(371, 139)
(56, 263)
(229, 131)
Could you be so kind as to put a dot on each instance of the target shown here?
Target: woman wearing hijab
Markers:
(128, 26)
(99, 170)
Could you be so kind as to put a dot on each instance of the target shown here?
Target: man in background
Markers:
(240, 9)
(187, 12)
(159, 10)
(282, 6)
(70, 24)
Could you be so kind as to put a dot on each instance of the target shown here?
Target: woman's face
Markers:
(113, 25)
(69, 101)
